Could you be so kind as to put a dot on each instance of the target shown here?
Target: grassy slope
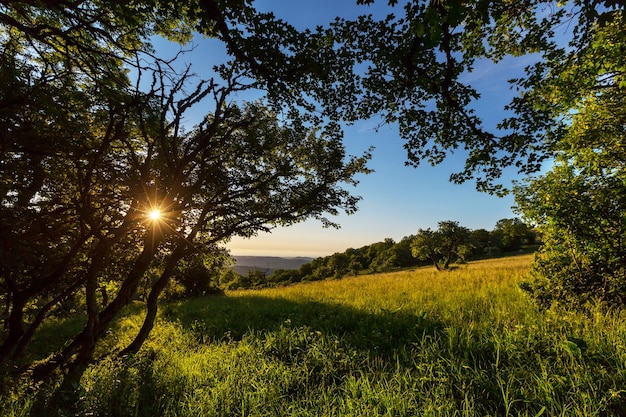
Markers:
(465, 342)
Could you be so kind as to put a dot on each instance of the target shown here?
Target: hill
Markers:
(268, 264)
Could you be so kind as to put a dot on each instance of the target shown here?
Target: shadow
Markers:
(385, 340)
(230, 318)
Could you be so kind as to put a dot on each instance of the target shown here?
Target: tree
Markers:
(480, 241)
(442, 245)
(510, 234)
(416, 60)
(338, 263)
(87, 154)
(580, 204)
(200, 273)
(580, 207)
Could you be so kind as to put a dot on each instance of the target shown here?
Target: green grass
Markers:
(415, 343)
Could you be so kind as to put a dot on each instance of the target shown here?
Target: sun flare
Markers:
(154, 214)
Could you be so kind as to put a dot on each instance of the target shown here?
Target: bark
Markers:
(158, 287)
(435, 261)
(15, 322)
(41, 315)
(79, 353)
(15, 325)
(152, 304)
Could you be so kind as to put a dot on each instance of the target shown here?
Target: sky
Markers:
(397, 200)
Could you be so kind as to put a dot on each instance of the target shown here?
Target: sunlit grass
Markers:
(466, 342)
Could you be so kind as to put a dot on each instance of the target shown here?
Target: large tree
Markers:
(416, 59)
(580, 204)
(94, 139)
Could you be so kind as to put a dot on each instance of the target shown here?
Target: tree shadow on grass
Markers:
(219, 318)
(385, 340)
(471, 365)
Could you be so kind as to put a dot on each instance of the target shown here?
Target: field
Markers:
(415, 343)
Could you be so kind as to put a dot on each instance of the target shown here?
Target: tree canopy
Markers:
(94, 139)
(443, 245)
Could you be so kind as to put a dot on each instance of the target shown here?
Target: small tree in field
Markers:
(443, 245)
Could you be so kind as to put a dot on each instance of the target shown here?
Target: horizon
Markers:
(319, 247)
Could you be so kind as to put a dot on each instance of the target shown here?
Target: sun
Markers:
(154, 214)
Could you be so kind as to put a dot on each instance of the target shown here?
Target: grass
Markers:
(461, 343)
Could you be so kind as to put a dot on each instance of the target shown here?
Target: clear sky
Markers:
(396, 200)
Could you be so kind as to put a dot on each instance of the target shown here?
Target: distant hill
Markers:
(268, 264)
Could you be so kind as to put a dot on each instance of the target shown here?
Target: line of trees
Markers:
(449, 243)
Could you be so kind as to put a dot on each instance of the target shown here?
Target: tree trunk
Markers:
(41, 315)
(435, 261)
(152, 303)
(79, 353)
(15, 325)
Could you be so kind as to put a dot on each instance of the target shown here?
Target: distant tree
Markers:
(355, 261)
(255, 278)
(338, 263)
(398, 255)
(284, 276)
(355, 266)
(426, 246)
(375, 254)
(200, 273)
(229, 279)
(402, 251)
(479, 239)
(305, 270)
(511, 234)
(441, 246)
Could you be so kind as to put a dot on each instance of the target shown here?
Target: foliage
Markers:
(510, 234)
(583, 233)
(389, 255)
(409, 67)
(417, 59)
(441, 246)
(580, 204)
(402, 344)
(94, 132)
(201, 274)
(94, 138)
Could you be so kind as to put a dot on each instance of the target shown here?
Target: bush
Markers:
(199, 276)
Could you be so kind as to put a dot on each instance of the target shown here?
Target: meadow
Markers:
(466, 342)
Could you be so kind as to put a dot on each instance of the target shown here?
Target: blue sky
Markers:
(396, 200)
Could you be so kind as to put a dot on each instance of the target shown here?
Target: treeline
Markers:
(449, 243)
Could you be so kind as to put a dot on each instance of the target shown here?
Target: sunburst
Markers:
(155, 214)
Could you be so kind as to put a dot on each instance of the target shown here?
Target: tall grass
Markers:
(461, 343)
